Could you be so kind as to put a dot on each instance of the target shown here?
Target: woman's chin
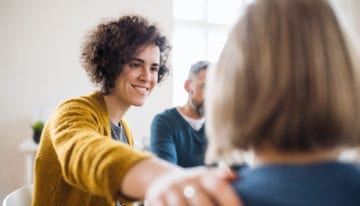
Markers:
(138, 103)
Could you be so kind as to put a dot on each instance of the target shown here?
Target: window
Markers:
(200, 31)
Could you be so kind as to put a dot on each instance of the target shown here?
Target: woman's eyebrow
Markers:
(137, 59)
(143, 61)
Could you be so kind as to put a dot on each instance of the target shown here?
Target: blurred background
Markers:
(40, 49)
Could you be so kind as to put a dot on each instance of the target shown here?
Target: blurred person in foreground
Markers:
(86, 154)
(178, 133)
(286, 87)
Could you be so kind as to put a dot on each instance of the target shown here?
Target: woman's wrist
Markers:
(139, 178)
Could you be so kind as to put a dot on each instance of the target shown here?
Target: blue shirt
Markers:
(174, 140)
(327, 183)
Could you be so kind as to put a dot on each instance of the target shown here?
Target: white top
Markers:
(196, 124)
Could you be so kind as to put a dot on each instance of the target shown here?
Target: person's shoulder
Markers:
(263, 183)
(169, 116)
(336, 171)
(168, 112)
(356, 166)
(353, 169)
(92, 100)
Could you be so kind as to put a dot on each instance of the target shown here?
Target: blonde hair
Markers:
(285, 78)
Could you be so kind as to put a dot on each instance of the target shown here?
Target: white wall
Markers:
(39, 63)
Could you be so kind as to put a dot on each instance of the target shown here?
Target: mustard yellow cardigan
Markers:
(78, 163)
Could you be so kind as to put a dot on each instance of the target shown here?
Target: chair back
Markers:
(20, 197)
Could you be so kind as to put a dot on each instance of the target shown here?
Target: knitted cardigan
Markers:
(78, 163)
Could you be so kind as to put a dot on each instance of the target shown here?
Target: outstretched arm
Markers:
(165, 184)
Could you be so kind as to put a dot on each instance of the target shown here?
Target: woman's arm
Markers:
(162, 183)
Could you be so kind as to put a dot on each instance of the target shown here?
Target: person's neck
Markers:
(115, 108)
(271, 156)
(189, 111)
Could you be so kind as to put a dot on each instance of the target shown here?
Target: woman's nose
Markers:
(146, 74)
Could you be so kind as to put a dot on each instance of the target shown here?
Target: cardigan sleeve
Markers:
(89, 158)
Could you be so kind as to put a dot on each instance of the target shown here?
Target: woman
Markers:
(286, 88)
(86, 155)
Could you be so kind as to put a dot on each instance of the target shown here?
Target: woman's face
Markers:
(138, 77)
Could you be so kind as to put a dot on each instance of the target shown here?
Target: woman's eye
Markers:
(135, 65)
(154, 69)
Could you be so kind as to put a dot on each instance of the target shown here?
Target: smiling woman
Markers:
(126, 58)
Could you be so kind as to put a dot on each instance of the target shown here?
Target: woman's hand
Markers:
(198, 186)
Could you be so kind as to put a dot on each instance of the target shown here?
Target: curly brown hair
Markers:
(112, 44)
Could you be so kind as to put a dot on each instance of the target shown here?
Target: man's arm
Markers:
(162, 142)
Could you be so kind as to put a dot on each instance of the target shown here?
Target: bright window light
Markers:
(215, 42)
(200, 32)
(223, 12)
(189, 9)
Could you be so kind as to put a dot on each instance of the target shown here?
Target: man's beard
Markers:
(199, 108)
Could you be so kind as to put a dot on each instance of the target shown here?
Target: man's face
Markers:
(196, 92)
